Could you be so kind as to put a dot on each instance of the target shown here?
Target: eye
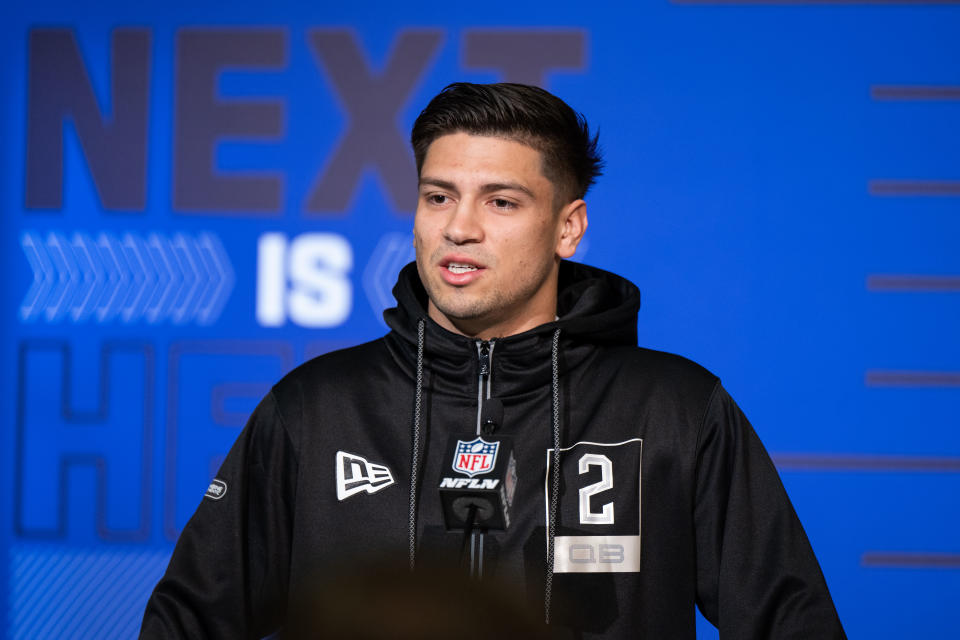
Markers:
(436, 198)
(501, 203)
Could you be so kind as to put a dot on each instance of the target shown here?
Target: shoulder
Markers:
(670, 363)
(661, 369)
(670, 388)
(314, 387)
(334, 368)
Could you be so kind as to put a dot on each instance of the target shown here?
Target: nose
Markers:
(463, 226)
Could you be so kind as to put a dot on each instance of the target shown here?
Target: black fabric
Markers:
(689, 477)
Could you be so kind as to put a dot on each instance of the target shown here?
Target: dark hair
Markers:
(527, 114)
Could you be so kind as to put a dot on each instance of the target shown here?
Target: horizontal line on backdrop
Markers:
(877, 378)
(854, 462)
(914, 92)
(910, 282)
(914, 187)
(910, 560)
(816, 2)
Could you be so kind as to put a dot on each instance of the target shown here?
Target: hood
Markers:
(595, 307)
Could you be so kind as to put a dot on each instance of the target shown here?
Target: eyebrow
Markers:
(487, 188)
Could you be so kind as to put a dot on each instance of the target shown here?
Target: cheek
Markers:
(421, 232)
(541, 239)
(529, 247)
(421, 221)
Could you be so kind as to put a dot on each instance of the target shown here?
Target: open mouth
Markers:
(460, 267)
(460, 271)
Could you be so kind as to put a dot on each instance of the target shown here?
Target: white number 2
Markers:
(605, 515)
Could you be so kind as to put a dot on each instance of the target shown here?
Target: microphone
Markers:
(491, 416)
(477, 490)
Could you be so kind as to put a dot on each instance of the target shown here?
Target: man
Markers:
(640, 488)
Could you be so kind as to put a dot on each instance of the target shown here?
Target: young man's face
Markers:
(488, 235)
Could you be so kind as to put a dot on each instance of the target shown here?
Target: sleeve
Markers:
(757, 576)
(229, 571)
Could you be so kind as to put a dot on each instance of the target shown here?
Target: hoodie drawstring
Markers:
(554, 465)
(415, 463)
(554, 471)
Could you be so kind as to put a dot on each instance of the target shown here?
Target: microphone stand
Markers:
(469, 529)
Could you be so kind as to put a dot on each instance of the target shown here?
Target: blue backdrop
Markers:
(197, 198)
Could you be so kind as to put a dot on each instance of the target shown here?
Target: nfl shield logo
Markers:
(476, 456)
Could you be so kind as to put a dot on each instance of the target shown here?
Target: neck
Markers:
(485, 328)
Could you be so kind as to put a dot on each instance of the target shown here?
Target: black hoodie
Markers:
(636, 473)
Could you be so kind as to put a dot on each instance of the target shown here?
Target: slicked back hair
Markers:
(524, 113)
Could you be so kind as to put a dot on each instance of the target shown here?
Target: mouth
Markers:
(458, 271)
(460, 267)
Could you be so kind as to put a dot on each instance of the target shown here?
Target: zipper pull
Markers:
(484, 351)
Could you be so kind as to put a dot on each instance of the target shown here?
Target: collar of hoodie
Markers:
(594, 307)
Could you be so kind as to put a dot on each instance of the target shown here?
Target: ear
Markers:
(571, 225)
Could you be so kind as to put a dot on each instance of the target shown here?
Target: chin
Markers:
(464, 311)
(462, 314)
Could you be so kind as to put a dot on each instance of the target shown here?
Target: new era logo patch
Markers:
(356, 474)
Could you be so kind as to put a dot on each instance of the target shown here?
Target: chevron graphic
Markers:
(392, 252)
(178, 279)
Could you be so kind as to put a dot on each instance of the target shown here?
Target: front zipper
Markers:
(485, 360)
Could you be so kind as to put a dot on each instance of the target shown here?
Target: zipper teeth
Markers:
(476, 542)
(479, 384)
(493, 343)
(489, 375)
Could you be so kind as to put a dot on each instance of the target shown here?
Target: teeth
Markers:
(456, 267)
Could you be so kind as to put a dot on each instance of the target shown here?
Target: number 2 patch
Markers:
(598, 514)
